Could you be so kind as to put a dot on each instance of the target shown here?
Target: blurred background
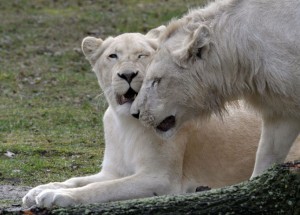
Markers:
(51, 106)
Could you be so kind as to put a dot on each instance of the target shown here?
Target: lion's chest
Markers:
(128, 144)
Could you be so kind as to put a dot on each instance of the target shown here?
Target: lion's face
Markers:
(159, 100)
(119, 64)
(121, 68)
(173, 90)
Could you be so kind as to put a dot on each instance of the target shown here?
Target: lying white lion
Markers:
(136, 162)
(230, 50)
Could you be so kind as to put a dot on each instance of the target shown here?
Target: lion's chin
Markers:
(124, 109)
(166, 134)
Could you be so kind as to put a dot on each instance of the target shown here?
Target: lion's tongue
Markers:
(166, 124)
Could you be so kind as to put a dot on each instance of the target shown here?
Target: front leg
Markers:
(29, 199)
(277, 137)
(135, 186)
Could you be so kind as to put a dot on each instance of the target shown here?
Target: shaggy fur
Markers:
(136, 162)
(229, 50)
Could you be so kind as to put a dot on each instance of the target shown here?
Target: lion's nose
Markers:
(136, 115)
(128, 76)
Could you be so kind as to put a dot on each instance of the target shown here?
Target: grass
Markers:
(50, 103)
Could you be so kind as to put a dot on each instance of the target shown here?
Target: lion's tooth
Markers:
(134, 96)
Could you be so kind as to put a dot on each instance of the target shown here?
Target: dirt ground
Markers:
(11, 196)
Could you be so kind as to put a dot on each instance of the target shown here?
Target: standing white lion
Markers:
(229, 50)
(136, 162)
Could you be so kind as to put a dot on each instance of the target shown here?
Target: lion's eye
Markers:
(155, 82)
(142, 56)
(113, 56)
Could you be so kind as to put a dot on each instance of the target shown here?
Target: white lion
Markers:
(136, 162)
(232, 49)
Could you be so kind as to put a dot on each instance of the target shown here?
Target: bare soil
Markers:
(11, 196)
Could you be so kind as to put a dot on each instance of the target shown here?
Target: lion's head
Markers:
(120, 63)
(181, 79)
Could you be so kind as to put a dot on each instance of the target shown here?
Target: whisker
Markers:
(101, 101)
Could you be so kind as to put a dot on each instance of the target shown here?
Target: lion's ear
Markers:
(89, 47)
(200, 40)
(193, 47)
(156, 32)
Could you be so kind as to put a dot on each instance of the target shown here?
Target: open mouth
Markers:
(128, 97)
(167, 124)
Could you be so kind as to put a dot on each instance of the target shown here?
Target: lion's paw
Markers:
(50, 198)
(29, 199)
